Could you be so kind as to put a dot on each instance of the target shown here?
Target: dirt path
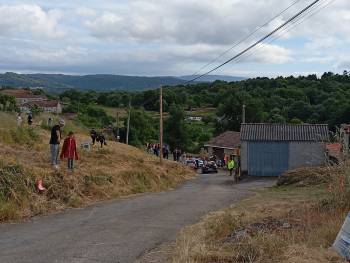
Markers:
(119, 231)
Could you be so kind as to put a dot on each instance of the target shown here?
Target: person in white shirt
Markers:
(19, 120)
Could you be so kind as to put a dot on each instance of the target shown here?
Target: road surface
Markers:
(119, 231)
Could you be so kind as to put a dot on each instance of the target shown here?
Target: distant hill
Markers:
(60, 82)
(212, 78)
(103, 82)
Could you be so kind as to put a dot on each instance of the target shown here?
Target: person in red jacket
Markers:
(69, 150)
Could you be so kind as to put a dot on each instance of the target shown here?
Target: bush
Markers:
(14, 183)
(23, 136)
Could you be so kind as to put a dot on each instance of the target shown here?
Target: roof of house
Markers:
(334, 149)
(284, 132)
(20, 93)
(229, 140)
(44, 103)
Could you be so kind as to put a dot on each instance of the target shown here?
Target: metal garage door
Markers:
(267, 158)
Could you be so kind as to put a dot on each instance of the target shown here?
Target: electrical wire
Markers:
(259, 41)
(300, 20)
(246, 37)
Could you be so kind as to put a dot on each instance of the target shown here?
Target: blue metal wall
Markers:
(267, 158)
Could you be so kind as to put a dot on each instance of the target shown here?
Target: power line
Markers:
(258, 42)
(247, 37)
(306, 16)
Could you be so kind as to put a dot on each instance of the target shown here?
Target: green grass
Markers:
(22, 136)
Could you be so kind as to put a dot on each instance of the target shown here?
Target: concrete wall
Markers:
(306, 154)
(300, 154)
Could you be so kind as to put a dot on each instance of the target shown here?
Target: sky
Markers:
(177, 37)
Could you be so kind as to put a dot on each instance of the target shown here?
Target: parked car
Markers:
(199, 163)
(191, 164)
(209, 167)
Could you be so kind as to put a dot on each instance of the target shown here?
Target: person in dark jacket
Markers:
(30, 119)
(101, 139)
(93, 135)
(55, 140)
(69, 150)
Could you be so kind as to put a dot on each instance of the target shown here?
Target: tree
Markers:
(175, 129)
(7, 103)
(143, 128)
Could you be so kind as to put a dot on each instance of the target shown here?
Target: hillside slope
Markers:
(114, 171)
(60, 82)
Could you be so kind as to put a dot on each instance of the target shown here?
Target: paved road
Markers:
(119, 231)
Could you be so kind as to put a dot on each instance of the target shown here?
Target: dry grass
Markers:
(281, 224)
(114, 171)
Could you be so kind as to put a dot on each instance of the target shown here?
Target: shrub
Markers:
(23, 136)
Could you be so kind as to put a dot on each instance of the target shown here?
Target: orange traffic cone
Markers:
(40, 186)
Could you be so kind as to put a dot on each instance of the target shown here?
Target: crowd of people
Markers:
(154, 148)
(69, 148)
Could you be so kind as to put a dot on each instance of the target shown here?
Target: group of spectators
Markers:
(98, 137)
(20, 119)
(69, 148)
(154, 148)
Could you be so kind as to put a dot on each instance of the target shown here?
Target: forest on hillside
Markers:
(304, 99)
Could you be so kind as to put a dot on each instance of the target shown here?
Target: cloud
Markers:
(166, 37)
(184, 22)
(29, 20)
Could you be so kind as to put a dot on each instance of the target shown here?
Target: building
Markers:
(193, 118)
(25, 99)
(23, 95)
(50, 106)
(271, 149)
(225, 144)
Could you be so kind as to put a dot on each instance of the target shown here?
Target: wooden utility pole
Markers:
(118, 126)
(161, 124)
(243, 113)
(128, 128)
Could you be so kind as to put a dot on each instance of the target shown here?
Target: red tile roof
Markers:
(229, 140)
(333, 149)
(44, 103)
(20, 93)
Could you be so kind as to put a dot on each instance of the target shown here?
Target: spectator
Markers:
(49, 122)
(55, 139)
(69, 151)
(101, 139)
(19, 120)
(30, 119)
(93, 135)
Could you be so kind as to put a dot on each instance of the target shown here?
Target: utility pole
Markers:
(243, 113)
(128, 128)
(117, 126)
(161, 124)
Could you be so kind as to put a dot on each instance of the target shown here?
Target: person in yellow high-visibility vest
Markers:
(231, 166)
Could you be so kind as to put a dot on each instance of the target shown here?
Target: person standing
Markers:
(93, 135)
(69, 151)
(19, 120)
(231, 167)
(101, 139)
(55, 139)
(49, 122)
(30, 119)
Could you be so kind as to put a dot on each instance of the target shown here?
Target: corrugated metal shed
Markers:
(284, 132)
